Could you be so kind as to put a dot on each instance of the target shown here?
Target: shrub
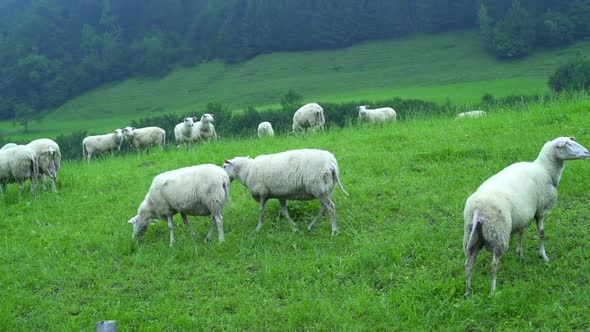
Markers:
(574, 75)
(554, 29)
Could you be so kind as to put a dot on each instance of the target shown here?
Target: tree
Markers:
(23, 115)
(514, 35)
(554, 29)
(574, 75)
(291, 101)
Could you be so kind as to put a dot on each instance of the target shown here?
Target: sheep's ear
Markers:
(132, 220)
(227, 162)
(195, 118)
(573, 138)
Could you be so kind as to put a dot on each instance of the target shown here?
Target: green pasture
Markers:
(67, 259)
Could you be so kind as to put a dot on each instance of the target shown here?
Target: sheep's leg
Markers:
(42, 176)
(171, 228)
(326, 204)
(519, 250)
(469, 267)
(261, 219)
(317, 218)
(285, 212)
(216, 219)
(495, 266)
(21, 188)
(541, 232)
(53, 185)
(188, 225)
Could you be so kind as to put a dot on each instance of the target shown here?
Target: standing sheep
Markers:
(183, 132)
(197, 191)
(102, 143)
(48, 159)
(204, 129)
(265, 129)
(471, 114)
(376, 115)
(145, 137)
(8, 146)
(305, 174)
(309, 116)
(18, 164)
(505, 203)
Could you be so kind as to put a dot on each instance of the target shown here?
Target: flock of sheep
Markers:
(503, 205)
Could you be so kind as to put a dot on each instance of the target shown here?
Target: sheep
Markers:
(265, 129)
(102, 143)
(309, 116)
(48, 159)
(197, 191)
(145, 137)
(183, 132)
(505, 203)
(376, 115)
(204, 129)
(304, 174)
(8, 146)
(18, 164)
(471, 114)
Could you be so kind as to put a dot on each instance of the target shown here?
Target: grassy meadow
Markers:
(448, 66)
(67, 259)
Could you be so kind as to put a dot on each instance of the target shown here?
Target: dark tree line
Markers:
(52, 50)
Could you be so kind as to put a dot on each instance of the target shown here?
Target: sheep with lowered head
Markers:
(102, 143)
(376, 115)
(8, 146)
(18, 164)
(204, 129)
(505, 204)
(48, 159)
(304, 174)
(145, 137)
(183, 132)
(265, 129)
(471, 114)
(309, 117)
(196, 191)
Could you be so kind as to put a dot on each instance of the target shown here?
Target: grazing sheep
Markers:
(265, 129)
(309, 116)
(376, 115)
(8, 146)
(183, 132)
(102, 143)
(471, 114)
(18, 164)
(505, 203)
(48, 159)
(197, 191)
(204, 129)
(145, 137)
(292, 175)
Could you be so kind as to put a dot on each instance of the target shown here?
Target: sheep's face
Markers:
(362, 111)
(568, 149)
(189, 122)
(207, 118)
(128, 131)
(139, 227)
(229, 168)
(119, 134)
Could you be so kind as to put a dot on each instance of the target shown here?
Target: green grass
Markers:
(450, 66)
(67, 259)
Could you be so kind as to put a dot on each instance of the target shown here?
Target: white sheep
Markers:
(197, 191)
(145, 137)
(265, 129)
(183, 132)
(310, 117)
(505, 203)
(376, 115)
(48, 159)
(471, 114)
(8, 146)
(18, 164)
(292, 175)
(204, 129)
(102, 143)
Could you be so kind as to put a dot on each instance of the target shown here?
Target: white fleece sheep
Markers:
(265, 129)
(292, 175)
(505, 203)
(8, 146)
(18, 164)
(102, 143)
(197, 191)
(204, 129)
(471, 114)
(309, 117)
(48, 159)
(145, 137)
(376, 115)
(183, 132)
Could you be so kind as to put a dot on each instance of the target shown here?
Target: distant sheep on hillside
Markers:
(309, 117)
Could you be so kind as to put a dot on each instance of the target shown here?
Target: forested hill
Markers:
(52, 50)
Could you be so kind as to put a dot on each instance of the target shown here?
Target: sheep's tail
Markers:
(164, 140)
(335, 175)
(476, 222)
(226, 190)
(84, 151)
(34, 171)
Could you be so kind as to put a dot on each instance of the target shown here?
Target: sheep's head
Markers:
(566, 148)
(128, 132)
(207, 118)
(362, 110)
(139, 227)
(231, 166)
(189, 122)
(119, 134)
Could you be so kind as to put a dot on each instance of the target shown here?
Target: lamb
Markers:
(197, 191)
(471, 114)
(145, 137)
(48, 159)
(376, 115)
(505, 203)
(309, 116)
(18, 164)
(102, 143)
(204, 129)
(183, 132)
(8, 146)
(304, 174)
(265, 129)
